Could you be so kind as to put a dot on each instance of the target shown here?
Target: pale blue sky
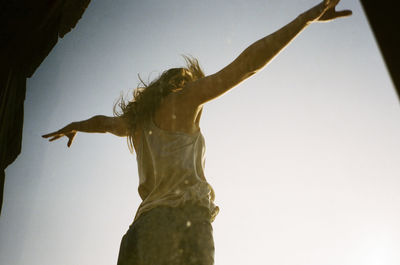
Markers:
(304, 156)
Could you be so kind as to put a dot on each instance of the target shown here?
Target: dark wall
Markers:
(28, 32)
(383, 19)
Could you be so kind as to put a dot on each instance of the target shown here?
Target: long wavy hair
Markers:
(147, 97)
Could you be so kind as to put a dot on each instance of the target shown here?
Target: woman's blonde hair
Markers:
(147, 97)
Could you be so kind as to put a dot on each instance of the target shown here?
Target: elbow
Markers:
(101, 123)
(249, 74)
(250, 65)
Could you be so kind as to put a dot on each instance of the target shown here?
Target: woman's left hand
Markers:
(330, 12)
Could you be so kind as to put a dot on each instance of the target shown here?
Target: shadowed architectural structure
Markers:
(382, 17)
(28, 32)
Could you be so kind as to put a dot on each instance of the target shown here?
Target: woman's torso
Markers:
(170, 153)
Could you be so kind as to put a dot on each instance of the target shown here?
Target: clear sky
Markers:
(304, 156)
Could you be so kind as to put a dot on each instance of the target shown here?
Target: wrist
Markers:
(74, 126)
(313, 14)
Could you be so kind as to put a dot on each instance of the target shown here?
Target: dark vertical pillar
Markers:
(384, 21)
(13, 88)
(28, 32)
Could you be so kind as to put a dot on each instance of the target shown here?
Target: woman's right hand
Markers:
(68, 131)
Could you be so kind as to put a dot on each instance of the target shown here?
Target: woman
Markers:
(173, 223)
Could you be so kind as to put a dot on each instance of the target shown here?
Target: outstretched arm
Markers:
(96, 124)
(257, 55)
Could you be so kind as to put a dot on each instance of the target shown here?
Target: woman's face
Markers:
(178, 77)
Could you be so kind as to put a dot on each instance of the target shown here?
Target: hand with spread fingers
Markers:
(329, 11)
(96, 124)
(67, 131)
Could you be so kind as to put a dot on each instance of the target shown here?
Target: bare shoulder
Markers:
(212, 86)
(116, 126)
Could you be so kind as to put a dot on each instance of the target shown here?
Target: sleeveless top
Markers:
(171, 172)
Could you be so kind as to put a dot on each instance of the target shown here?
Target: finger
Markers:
(331, 3)
(49, 134)
(55, 137)
(334, 2)
(343, 13)
(70, 139)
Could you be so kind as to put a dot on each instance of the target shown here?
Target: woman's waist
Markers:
(174, 186)
(189, 202)
(193, 210)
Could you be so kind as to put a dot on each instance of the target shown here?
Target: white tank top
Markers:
(171, 172)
